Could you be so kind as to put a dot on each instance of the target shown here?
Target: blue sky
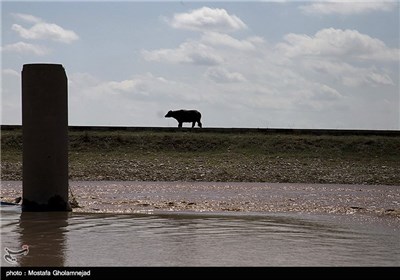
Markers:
(259, 64)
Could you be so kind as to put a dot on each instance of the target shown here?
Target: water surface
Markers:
(199, 239)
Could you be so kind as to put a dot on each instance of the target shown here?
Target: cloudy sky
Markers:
(263, 64)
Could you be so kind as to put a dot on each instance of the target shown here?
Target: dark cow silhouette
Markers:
(182, 116)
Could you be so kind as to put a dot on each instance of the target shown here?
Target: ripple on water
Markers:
(187, 239)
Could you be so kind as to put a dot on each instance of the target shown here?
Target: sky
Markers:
(258, 64)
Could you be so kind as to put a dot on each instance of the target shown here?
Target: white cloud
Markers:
(27, 18)
(219, 39)
(137, 86)
(124, 86)
(26, 48)
(46, 31)
(337, 42)
(347, 74)
(326, 92)
(221, 75)
(345, 7)
(188, 52)
(207, 19)
(379, 79)
(43, 30)
(95, 88)
(11, 72)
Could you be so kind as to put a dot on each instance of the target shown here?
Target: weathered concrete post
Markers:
(45, 138)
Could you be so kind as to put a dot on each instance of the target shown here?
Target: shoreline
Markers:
(125, 197)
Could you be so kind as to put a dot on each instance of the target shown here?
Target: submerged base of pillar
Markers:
(55, 203)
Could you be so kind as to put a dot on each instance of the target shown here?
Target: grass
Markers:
(212, 156)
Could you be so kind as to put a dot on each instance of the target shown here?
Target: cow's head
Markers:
(169, 114)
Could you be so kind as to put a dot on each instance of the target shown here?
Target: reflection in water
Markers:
(44, 233)
(71, 239)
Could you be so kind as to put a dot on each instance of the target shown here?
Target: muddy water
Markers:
(207, 224)
(199, 239)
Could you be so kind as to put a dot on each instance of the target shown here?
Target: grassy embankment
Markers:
(212, 156)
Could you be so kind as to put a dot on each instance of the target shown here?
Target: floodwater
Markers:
(197, 239)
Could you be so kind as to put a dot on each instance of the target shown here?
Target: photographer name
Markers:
(55, 272)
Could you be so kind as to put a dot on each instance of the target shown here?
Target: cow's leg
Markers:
(193, 123)
(180, 124)
(199, 123)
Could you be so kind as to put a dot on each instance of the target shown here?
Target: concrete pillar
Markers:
(45, 138)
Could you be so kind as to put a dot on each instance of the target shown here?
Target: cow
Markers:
(182, 116)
